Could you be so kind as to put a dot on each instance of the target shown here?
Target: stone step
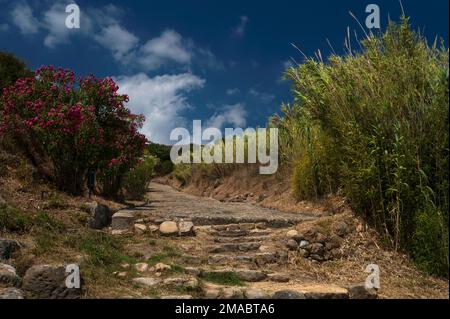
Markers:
(247, 275)
(227, 220)
(248, 239)
(234, 247)
(256, 259)
(239, 233)
(213, 291)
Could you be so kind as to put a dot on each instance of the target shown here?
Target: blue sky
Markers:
(218, 61)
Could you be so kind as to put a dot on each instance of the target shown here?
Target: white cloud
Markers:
(118, 40)
(23, 17)
(161, 99)
(239, 30)
(230, 114)
(262, 96)
(234, 91)
(168, 47)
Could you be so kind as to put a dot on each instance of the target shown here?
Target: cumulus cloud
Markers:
(23, 17)
(234, 115)
(168, 47)
(118, 40)
(161, 99)
(239, 30)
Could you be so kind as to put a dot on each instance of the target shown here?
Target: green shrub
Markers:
(136, 181)
(13, 219)
(11, 69)
(167, 167)
(375, 124)
(182, 172)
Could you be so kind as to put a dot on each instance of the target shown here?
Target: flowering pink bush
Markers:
(81, 124)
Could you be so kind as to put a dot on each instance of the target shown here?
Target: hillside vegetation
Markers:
(372, 126)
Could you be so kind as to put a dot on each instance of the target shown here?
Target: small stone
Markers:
(186, 228)
(278, 277)
(153, 228)
(120, 232)
(303, 243)
(292, 244)
(359, 291)
(121, 274)
(8, 275)
(11, 293)
(211, 293)
(317, 257)
(256, 294)
(122, 220)
(251, 275)
(288, 294)
(325, 292)
(168, 228)
(147, 281)
(247, 226)
(125, 266)
(292, 234)
(141, 267)
(231, 293)
(160, 267)
(341, 228)
(140, 228)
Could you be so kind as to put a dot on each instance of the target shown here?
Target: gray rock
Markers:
(256, 294)
(11, 293)
(278, 277)
(122, 220)
(251, 275)
(192, 271)
(341, 228)
(8, 275)
(146, 281)
(292, 244)
(7, 247)
(288, 294)
(48, 282)
(100, 216)
(231, 293)
(186, 228)
(359, 291)
(190, 283)
(303, 243)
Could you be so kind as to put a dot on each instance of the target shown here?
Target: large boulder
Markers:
(11, 293)
(7, 247)
(100, 216)
(48, 282)
(122, 220)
